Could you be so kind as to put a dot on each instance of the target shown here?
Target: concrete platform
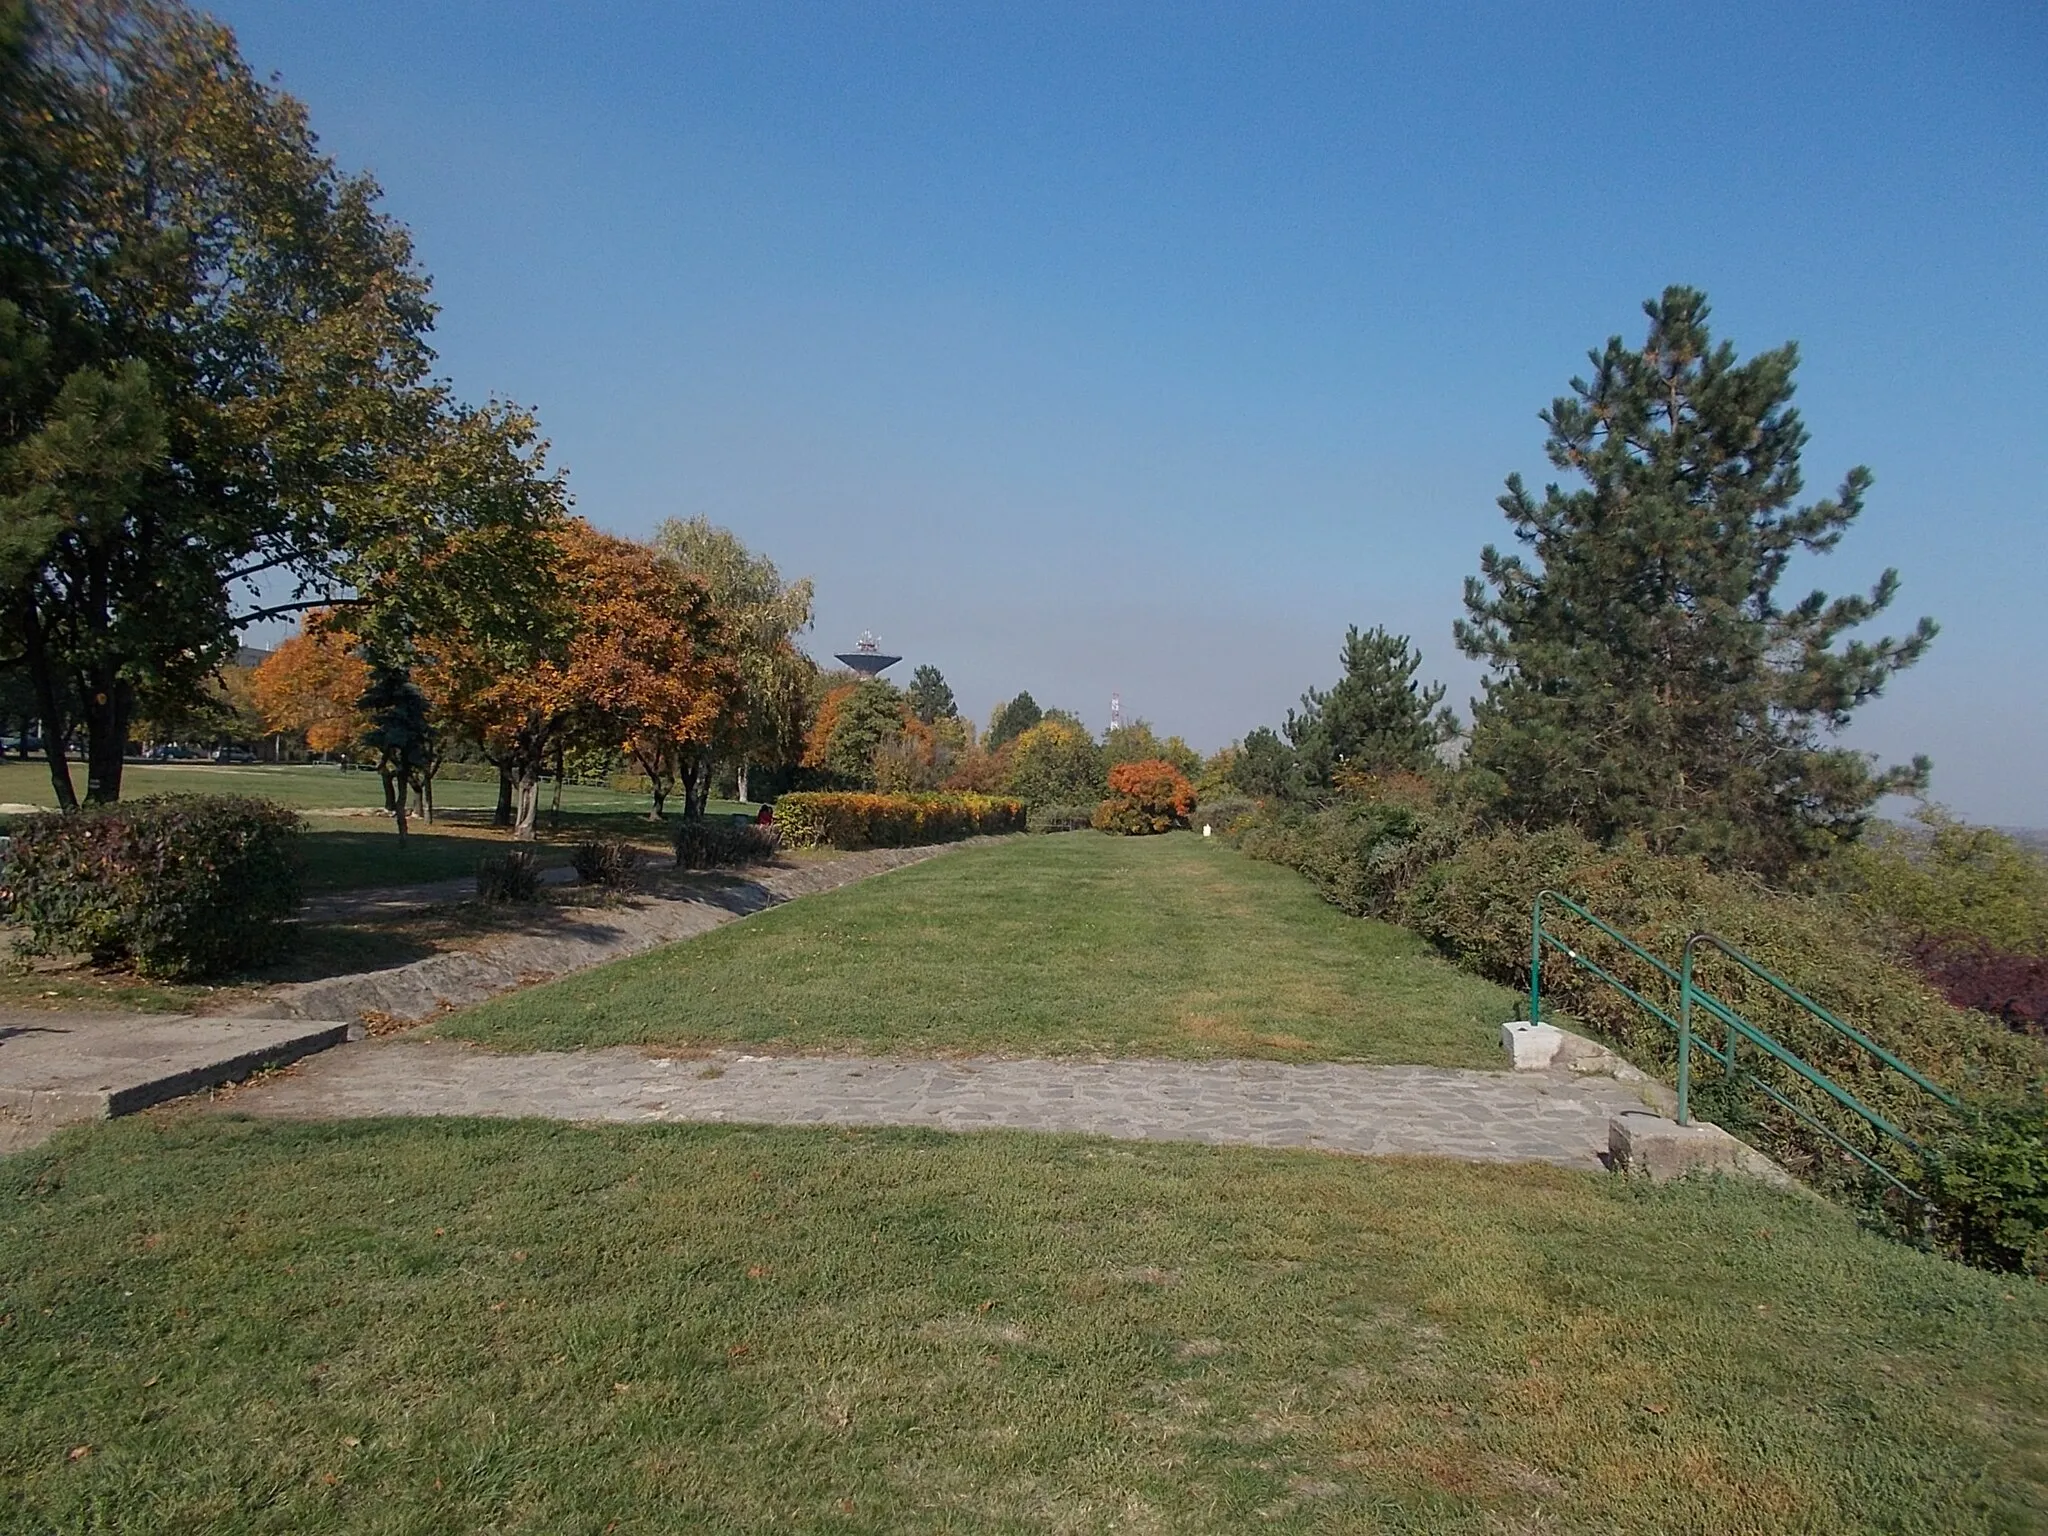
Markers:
(58, 1069)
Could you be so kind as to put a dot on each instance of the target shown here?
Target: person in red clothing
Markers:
(766, 818)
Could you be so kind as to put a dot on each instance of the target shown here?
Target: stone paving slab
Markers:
(56, 1069)
(1548, 1117)
(385, 900)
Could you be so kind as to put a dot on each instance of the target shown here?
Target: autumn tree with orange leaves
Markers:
(637, 661)
(310, 685)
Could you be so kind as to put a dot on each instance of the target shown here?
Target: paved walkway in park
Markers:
(1549, 1117)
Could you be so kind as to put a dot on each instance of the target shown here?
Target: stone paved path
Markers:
(1551, 1117)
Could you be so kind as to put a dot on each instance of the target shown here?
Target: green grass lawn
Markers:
(309, 787)
(1164, 946)
(234, 1326)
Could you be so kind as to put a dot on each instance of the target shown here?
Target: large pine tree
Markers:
(1646, 677)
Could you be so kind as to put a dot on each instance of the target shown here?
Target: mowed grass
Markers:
(233, 1326)
(1071, 944)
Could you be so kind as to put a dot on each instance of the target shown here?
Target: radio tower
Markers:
(1116, 711)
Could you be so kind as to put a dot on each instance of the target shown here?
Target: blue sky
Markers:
(1083, 348)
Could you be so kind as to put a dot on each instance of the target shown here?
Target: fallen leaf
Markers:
(78, 1453)
(350, 1441)
(736, 1351)
(757, 1271)
(497, 1306)
(152, 1381)
(1656, 1407)
(518, 1255)
(440, 1231)
(622, 1386)
(985, 1306)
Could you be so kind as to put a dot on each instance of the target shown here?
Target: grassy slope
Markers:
(531, 1328)
(1130, 946)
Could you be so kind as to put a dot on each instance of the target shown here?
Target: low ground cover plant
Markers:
(702, 844)
(850, 820)
(1144, 798)
(180, 887)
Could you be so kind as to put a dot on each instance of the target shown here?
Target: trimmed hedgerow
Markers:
(701, 844)
(179, 886)
(855, 820)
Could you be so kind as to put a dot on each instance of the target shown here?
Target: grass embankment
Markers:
(227, 1325)
(1159, 946)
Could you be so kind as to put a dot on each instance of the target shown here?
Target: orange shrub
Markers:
(1152, 796)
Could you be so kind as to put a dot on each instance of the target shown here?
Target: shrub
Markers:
(1058, 818)
(611, 862)
(181, 886)
(1994, 981)
(513, 876)
(703, 844)
(1988, 1180)
(1145, 797)
(1054, 763)
(1475, 906)
(855, 820)
(1953, 881)
(1227, 813)
(1363, 852)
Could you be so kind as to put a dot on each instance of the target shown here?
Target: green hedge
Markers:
(827, 819)
(1475, 906)
(179, 886)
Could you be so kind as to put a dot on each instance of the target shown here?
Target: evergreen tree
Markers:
(931, 698)
(1645, 676)
(1377, 716)
(401, 731)
(1264, 765)
(1012, 720)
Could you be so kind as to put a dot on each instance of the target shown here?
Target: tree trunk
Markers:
(686, 775)
(743, 781)
(502, 816)
(427, 797)
(54, 727)
(107, 708)
(555, 810)
(660, 799)
(529, 802)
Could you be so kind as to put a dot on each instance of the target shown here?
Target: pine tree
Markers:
(931, 697)
(1011, 720)
(1645, 676)
(1377, 716)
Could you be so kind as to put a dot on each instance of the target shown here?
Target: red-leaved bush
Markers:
(1152, 796)
(1994, 981)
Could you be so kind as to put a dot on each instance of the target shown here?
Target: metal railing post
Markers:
(1685, 1033)
(1536, 960)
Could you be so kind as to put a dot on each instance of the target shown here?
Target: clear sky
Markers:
(1093, 347)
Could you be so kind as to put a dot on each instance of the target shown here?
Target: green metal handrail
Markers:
(1691, 997)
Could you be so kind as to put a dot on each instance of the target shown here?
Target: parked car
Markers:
(233, 755)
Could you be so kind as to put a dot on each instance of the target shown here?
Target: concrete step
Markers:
(58, 1069)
